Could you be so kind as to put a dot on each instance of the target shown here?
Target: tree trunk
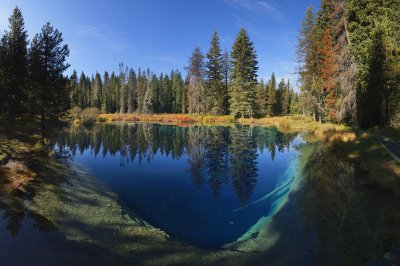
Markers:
(10, 115)
(42, 123)
(346, 30)
(387, 113)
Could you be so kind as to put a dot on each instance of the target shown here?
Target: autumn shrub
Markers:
(89, 115)
(75, 113)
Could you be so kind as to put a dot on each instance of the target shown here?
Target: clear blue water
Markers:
(203, 185)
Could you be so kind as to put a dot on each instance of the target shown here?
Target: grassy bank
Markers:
(295, 123)
(179, 119)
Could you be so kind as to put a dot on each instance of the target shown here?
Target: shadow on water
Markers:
(339, 214)
(355, 212)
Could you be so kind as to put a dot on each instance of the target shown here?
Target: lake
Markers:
(156, 194)
(204, 185)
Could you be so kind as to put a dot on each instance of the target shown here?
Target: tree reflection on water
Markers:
(216, 155)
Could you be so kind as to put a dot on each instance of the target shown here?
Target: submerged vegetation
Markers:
(343, 201)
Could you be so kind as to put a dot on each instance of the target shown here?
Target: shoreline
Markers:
(296, 123)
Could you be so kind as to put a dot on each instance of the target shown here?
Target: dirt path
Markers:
(391, 146)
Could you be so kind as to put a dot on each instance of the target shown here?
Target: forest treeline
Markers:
(349, 55)
(349, 68)
(217, 83)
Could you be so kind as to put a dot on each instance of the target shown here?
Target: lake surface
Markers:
(285, 200)
(204, 185)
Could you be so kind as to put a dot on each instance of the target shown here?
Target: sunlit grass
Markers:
(297, 123)
(178, 119)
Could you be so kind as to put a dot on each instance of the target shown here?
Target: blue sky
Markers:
(161, 34)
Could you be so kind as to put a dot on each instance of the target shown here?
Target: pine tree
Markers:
(346, 103)
(114, 93)
(329, 70)
(159, 93)
(226, 69)
(47, 65)
(284, 97)
(281, 97)
(177, 88)
(105, 101)
(214, 71)
(123, 72)
(308, 55)
(166, 95)
(196, 89)
(185, 94)
(148, 101)
(154, 83)
(140, 89)
(294, 104)
(81, 102)
(244, 76)
(13, 65)
(74, 89)
(261, 98)
(271, 96)
(132, 91)
(97, 90)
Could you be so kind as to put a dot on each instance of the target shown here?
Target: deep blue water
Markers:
(191, 181)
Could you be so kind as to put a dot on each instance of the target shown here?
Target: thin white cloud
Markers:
(240, 4)
(111, 39)
(166, 58)
(252, 28)
(264, 7)
(118, 45)
(269, 8)
(90, 30)
(240, 22)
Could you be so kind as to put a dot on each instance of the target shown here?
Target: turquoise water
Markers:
(204, 185)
